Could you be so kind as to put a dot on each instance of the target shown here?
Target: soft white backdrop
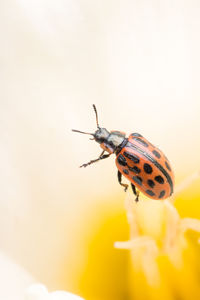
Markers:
(138, 61)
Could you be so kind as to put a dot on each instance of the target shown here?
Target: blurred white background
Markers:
(138, 61)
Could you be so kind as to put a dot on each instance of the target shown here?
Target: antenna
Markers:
(95, 110)
(74, 130)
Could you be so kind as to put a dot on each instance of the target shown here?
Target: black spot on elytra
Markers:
(137, 179)
(162, 193)
(159, 179)
(167, 165)
(125, 171)
(135, 169)
(156, 153)
(132, 157)
(143, 143)
(121, 160)
(151, 183)
(150, 192)
(147, 168)
(136, 134)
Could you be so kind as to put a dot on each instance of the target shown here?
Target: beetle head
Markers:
(100, 134)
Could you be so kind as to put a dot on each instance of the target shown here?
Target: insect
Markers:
(144, 165)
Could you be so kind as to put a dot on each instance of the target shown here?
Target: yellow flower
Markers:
(164, 258)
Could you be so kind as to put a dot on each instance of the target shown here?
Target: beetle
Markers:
(144, 165)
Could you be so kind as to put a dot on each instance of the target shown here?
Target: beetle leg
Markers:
(95, 160)
(119, 175)
(136, 193)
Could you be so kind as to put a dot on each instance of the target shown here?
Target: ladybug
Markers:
(144, 165)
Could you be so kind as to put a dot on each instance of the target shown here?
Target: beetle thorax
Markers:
(109, 141)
